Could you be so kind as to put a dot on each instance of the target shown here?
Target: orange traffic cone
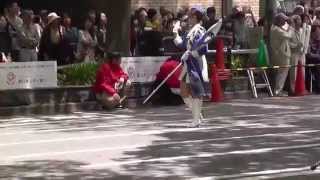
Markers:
(219, 61)
(300, 88)
(216, 91)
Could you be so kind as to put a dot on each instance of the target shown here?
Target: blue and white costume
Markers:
(195, 69)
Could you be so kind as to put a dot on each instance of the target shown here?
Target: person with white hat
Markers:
(51, 40)
(14, 23)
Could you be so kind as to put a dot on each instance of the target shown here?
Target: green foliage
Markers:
(238, 61)
(78, 74)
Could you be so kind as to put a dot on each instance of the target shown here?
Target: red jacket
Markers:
(165, 69)
(107, 76)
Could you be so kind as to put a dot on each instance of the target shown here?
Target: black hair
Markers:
(26, 12)
(66, 15)
(10, 3)
(91, 11)
(43, 12)
(180, 15)
(261, 21)
(211, 10)
(141, 9)
(151, 13)
(114, 55)
(314, 28)
(37, 19)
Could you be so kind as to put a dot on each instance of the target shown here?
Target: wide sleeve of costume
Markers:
(197, 38)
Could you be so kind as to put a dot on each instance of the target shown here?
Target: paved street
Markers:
(274, 138)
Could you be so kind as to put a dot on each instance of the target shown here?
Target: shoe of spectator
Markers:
(281, 94)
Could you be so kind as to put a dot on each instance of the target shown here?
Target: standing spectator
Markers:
(240, 29)
(211, 15)
(28, 38)
(37, 23)
(167, 23)
(280, 51)
(298, 10)
(87, 42)
(209, 21)
(70, 39)
(51, 40)
(306, 34)
(103, 36)
(153, 22)
(250, 20)
(316, 19)
(313, 56)
(111, 82)
(296, 44)
(150, 41)
(92, 15)
(14, 23)
(138, 24)
(44, 18)
(133, 32)
(5, 39)
(163, 11)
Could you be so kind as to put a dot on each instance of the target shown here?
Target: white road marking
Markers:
(200, 155)
(143, 133)
(264, 106)
(136, 124)
(125, 117)
(34, 155)
(267, 174)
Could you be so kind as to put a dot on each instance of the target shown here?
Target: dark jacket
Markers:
(49, 50)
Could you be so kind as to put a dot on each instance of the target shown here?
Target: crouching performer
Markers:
(111, 83)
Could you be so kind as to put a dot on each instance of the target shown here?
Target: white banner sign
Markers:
(142, 69)
(28, 75)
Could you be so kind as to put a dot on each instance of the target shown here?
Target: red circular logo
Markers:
(11, 78)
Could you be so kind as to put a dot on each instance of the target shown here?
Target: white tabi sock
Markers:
(196, 111)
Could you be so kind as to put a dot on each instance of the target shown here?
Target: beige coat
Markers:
(280, 46)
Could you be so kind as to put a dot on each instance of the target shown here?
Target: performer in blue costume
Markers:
(195, 69)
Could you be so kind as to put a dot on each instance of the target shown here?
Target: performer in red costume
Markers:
(111, 82)
(169, 93)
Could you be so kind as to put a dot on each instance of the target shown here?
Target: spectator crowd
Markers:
(294, 36)
(25, 36)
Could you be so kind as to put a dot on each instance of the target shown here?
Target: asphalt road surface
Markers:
(275, 138)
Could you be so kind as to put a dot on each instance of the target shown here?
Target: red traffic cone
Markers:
(219, 61)
(300, 88)
(216, 90)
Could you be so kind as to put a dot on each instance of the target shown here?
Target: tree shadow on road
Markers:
(45, 170)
